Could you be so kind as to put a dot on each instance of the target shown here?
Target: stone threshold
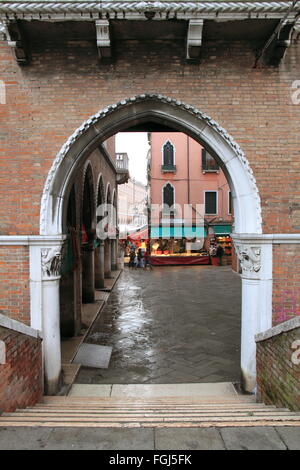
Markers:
(220, 389)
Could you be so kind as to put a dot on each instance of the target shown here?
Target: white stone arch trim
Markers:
(100, 187)
(114, 197)
(185, 117)
(108, 192)
(88, 167)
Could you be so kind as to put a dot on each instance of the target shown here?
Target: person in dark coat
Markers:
(220, 254)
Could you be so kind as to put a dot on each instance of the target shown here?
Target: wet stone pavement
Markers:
(170, 325)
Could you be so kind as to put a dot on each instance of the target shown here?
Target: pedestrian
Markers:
(140, 258)
(147, 260)
(220, 254)
(131, 259)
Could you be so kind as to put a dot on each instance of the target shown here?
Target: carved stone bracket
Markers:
(103, 39)
(250, 259)
(194, 39)
(51, 259)
(12, 33)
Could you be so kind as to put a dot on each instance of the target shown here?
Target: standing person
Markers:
(140, 258)
(220, 254)
(131, 259)
(147, 260)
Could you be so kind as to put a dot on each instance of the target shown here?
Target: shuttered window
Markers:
(210, 202)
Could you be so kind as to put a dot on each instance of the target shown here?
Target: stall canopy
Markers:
(177, 232)
(139, 235)
(222, 229)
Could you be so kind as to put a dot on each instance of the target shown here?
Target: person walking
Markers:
(220, 254)
(131, 259)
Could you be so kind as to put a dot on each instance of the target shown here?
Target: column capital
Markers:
(51, 260)
(250, 259)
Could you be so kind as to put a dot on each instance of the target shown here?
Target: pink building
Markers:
(184, 175)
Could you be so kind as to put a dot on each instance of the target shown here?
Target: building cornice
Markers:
(88, 8)
(31, 240)
(267, 238)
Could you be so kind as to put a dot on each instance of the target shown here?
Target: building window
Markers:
(208, 162)
(229, 202)
(168, 158)
(168, 195)
(168, 154)
(211, 202)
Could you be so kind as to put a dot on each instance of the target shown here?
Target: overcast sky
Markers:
(136, 145)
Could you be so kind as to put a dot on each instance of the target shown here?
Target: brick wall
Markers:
(21, 382)
(278, 367)
(65, 84)
(286, 295)
(14, 283)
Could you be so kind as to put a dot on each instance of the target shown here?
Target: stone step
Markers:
(215, 421)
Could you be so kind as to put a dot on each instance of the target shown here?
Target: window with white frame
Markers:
(168, 154)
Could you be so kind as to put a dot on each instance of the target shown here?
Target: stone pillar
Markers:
(107, 258)
(99, 266)
(113, 254)
(88, 273)
(256, 264)
(51, 263)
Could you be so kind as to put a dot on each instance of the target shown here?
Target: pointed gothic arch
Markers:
(168, 154)
(142, 109)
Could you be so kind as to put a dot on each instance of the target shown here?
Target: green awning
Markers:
(177, 232)
(222, 229)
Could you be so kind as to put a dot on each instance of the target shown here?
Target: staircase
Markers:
(210, 411)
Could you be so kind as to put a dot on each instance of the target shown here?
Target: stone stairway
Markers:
(132, 412)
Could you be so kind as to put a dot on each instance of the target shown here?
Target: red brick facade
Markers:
(278, 370)
(46, 102)
(65, 84)
(14, 283)
(21, 380)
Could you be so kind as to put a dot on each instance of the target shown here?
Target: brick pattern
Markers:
(14, 283)
(21, 382)
(46, 103)
(286, 282)
(278, 377)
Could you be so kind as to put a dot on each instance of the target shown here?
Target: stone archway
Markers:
(255, 256)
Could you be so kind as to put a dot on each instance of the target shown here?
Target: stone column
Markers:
(256, 264)
(107, 258)
(88, 273)
(51, 263)
(113, 254)
(99, 266)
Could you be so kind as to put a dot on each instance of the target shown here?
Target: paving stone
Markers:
(170, 337)
(100, 439)
(188, 439)
(290, 436)
(24, 438)
(250, 438)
